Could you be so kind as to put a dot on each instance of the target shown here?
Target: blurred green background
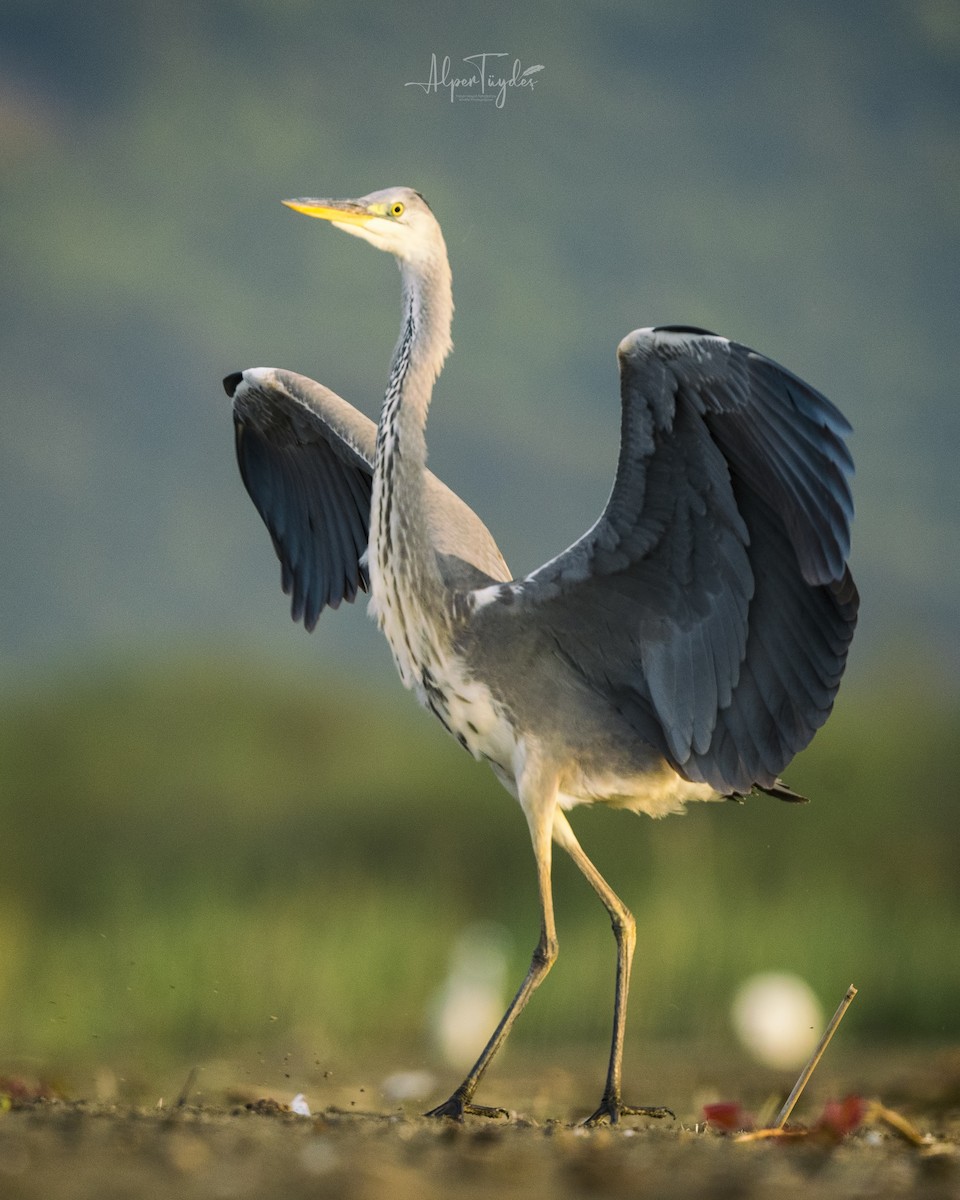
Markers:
(217, 832)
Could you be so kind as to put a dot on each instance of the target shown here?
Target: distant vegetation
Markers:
(196, 858)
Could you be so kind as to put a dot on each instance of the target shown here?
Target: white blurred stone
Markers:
(778, 1019)
(471, 1001)
(408, 1085)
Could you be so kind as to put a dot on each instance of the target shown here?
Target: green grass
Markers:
(198, 858)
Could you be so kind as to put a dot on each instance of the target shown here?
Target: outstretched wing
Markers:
(306, 458)
(711, 604)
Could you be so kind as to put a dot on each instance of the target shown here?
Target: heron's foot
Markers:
(457, 1107)
(612, 1109)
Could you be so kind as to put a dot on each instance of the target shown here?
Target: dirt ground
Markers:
(361, 1144)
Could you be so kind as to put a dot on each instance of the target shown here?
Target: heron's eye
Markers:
(396, 209)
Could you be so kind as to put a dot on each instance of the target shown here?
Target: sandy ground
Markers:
(366, 1146)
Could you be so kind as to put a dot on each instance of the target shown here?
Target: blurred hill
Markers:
(787, 175)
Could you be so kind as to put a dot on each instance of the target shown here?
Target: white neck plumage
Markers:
(401, 557)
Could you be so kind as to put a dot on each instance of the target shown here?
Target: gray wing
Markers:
(306, 458)
(711, 604)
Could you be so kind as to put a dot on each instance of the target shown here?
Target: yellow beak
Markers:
(329, 210)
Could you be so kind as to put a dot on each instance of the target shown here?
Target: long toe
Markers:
(456, 1108)
(612, 1109)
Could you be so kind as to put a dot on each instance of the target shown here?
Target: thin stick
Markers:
(814, 1059)
(187, 1088)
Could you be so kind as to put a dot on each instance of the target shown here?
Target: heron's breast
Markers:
(468, 711)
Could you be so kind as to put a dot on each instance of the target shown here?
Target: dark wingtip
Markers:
(780, 791)
(232, 382)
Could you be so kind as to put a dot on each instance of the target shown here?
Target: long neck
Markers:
(402, 559)
(418, 358)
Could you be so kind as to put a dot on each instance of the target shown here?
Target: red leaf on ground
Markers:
(24, 1091)
(729, 1116)
(840, 1117)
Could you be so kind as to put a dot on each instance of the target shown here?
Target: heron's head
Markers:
(397, 219)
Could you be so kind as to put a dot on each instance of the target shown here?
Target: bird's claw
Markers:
(612, 1109)
(456, 1108)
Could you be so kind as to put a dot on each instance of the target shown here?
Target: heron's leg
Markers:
(538, 799)
(625, 931)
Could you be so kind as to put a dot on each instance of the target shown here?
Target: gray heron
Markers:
(685, 648)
